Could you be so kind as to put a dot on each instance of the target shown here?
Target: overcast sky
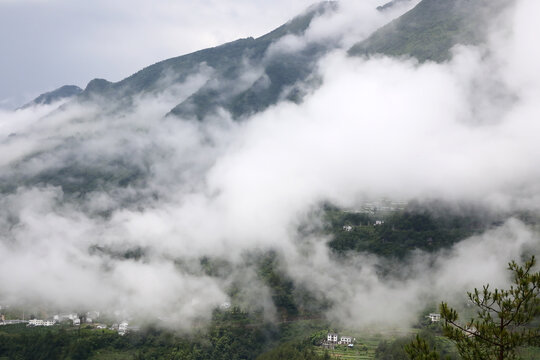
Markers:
(49, 43)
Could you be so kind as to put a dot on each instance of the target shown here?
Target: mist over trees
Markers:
(342, 173)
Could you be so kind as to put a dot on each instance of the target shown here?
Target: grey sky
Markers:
(49, 43)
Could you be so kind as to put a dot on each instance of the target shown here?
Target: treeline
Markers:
(221, 342)
(294, 351)
(395, 349)
(231, 335)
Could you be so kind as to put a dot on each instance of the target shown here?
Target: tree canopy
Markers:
(502, 323)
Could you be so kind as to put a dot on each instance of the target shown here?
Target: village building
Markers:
(470, 331)
(332, 338)
(347, 228)
(434, 317)
(123, 328)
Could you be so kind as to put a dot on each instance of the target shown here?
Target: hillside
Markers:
(64, 92)
(228, 63)
(431, 29)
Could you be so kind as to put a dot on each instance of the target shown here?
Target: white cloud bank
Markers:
(377, 127)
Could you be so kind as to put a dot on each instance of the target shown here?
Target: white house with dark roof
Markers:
(345, 340)
(332, 338)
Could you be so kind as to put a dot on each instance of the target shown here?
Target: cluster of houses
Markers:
(122, 328)
(349, 228)
(434, 317)
(333, 339)
(37, 322)
(88, 318)
(75, 319)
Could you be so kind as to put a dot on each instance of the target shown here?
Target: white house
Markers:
(332, 338)
(347, 228)
(345, 340)
(123, 328)
(35, 322)
(76, 321)
(470, 331)
(434, 317)
(379, 222)
(49, 323)
(123, 325)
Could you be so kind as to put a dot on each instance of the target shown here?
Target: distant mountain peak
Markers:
(66, 91)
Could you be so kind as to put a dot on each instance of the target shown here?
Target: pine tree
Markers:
(420, 350)
(502, 324)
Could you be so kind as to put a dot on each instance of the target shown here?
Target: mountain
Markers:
(272, 78)
(228, 63)
(242, 77)
(431, 29)
(66, 91)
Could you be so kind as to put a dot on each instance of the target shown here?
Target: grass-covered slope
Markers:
(431, 29)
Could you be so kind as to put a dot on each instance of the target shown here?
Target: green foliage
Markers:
(281, 286)
(281, 72)
(503, 318)
(503, 322)
(392, 350)
(293, 351)
(419, 349)
(431, 29)
(223, 341)
(402, 231)
(425, 346)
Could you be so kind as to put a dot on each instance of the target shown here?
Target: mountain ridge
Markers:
(226, 60)
(430, 30)
(47, 98)
(427, 32)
